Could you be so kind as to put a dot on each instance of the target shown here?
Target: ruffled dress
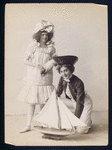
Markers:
(38, 88)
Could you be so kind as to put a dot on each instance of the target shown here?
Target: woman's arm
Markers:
(60, 87)
(28, 62)
(79, 99)
(49, 65)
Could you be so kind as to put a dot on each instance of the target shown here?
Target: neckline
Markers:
(68, 80)
(43, 47)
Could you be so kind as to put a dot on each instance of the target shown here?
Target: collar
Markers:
(68, 80)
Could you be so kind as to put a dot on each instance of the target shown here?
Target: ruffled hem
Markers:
(33, 94)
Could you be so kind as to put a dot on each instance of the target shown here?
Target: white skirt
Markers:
(34, 94)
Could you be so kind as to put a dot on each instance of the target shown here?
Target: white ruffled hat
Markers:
(44, 26)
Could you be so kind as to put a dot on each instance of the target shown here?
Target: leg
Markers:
(31, 109)
(86, 115)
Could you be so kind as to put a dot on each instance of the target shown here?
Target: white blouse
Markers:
(43, 57)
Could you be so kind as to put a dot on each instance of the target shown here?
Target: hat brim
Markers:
(68, 59)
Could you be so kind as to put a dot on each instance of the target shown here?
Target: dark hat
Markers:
(68, 59)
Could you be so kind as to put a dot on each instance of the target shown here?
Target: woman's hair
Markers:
(37, 36)
(68, 66)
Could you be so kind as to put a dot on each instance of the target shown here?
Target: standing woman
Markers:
(39, 63)
(73, 87)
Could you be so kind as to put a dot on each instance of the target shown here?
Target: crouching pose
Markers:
(73, 87)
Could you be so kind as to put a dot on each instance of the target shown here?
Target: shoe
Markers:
(26, 129)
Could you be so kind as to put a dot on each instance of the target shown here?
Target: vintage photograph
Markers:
(56, 74)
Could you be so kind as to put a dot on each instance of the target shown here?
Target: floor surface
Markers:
(97, 136)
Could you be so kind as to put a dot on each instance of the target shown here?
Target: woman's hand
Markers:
(43, 71)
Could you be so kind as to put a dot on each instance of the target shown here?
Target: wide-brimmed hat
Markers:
(68, 59)
(44, 25)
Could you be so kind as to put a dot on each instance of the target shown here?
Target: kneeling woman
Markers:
(73, 88)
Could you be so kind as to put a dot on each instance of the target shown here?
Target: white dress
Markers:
(38, 88)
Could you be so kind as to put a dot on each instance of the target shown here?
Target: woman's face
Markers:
(44, 37)
(65, 72)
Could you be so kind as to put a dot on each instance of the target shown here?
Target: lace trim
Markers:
(35, 46)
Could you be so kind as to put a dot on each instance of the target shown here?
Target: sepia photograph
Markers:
(56, 74)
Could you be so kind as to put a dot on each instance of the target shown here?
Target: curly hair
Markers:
(68, 66)
(37, 36)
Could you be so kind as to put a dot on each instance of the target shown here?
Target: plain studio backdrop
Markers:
(80, 29)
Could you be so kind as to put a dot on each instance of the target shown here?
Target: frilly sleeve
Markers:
(53, 52)
(52, 49)
(48, 66)
(30, 50)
